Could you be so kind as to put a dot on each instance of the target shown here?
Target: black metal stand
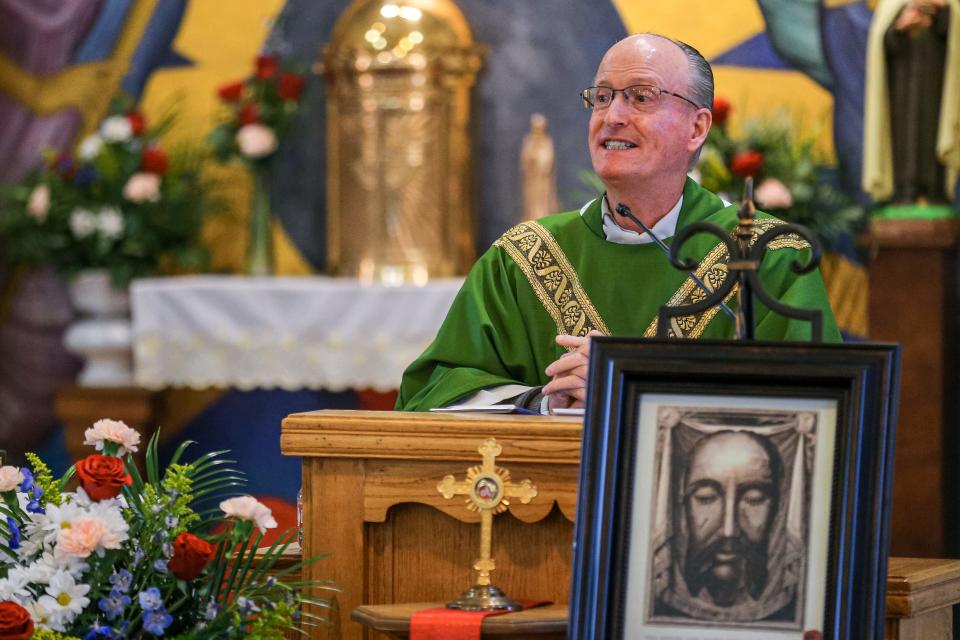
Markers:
(743, 269)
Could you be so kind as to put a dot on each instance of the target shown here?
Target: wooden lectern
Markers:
(370, 499)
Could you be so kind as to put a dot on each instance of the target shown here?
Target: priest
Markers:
(519, 331)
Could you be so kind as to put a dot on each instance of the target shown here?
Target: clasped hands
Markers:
(568, 389)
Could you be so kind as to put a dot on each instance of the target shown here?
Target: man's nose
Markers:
(730, 515)
(619, 110)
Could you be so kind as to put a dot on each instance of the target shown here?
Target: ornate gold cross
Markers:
(488, 490)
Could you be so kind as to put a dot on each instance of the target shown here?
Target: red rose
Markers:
(155, 160)
(190, 555)
(290, 86)
(721, 110)
(15, 622)
(747, 163)
(266, 67)
(231, 92)
(248, 113)
(102, 477)
(138, 124)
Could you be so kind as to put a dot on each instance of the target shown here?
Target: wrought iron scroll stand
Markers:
(743, 269)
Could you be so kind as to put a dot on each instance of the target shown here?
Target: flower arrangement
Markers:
(259, 109)
(792, 181)
(125, 556)
(122, 203)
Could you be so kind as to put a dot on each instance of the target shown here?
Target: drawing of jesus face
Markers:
(730, 498)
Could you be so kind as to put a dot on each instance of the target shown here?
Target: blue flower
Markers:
(150, 599)
(211, 612)
(96, 631)
(28, 481)
(114, 603)
(122, 580)
(30, 487)
(14, 542)
(138, 556)
(160, 565)
(247, 606)
(156, 622)
(85, 176)
(171, 522)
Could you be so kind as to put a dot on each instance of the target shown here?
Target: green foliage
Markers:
(48, 634)
(783, 162)
(43, 476)
(121, 203)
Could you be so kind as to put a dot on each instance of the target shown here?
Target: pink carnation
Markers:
(773, 194)
(112, 431)
(10, 477)
(39, 202)
(142, 187)
(82, 538)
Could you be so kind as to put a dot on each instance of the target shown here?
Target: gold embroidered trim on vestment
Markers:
(552, 278)
(712, 272)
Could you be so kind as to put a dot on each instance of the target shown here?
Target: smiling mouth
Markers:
(618, 145)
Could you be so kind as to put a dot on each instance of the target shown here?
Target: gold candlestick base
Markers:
(482, 597)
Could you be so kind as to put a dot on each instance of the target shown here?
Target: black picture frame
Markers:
(859, 380)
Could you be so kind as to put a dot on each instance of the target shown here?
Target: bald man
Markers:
(519, 330)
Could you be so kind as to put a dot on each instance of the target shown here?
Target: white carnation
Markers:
(249, 508)
(90, 147)
(110, 223)
(256, 140)
(116, 129)
(83, 223)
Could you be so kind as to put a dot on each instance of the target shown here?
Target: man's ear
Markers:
(701, 127)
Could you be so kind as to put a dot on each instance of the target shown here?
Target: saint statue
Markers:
(538, 168)
(912, 105)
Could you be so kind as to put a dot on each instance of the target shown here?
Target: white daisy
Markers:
(14, 586)
(59, 517)
(64, 600)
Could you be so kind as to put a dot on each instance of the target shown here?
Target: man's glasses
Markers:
(642, 97)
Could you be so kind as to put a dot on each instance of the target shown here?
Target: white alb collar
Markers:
(665, 227)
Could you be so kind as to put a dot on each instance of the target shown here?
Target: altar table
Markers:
(287, 333)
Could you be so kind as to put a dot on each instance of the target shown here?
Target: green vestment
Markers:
(502, 326)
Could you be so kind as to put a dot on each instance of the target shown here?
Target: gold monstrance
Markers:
(488, 490)
(398, 76)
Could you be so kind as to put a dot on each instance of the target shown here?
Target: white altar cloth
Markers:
(281, 332)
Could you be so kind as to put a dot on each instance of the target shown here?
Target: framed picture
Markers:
(734, 490)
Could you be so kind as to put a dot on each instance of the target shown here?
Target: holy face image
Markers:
(730, 498)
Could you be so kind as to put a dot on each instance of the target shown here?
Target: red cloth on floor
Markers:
(454, 624)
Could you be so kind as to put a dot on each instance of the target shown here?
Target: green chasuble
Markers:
(560, 275)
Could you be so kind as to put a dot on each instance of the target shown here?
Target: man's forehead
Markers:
(733, 455)
(645, 53)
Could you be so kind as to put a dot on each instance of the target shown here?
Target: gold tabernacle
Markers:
(398, 77)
